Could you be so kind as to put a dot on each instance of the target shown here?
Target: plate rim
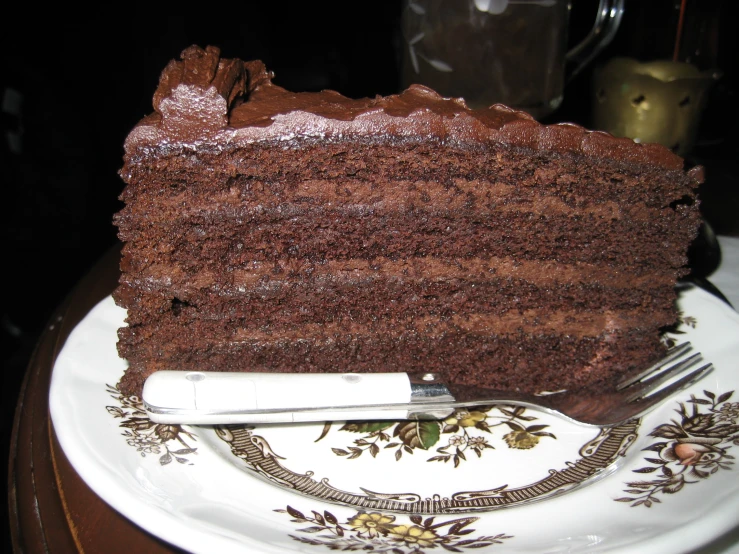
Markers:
(153, 520)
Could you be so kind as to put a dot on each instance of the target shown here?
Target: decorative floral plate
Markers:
(498, 478)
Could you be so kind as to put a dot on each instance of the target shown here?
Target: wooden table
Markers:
(52, 510)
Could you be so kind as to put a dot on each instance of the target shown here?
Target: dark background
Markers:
(84, 80)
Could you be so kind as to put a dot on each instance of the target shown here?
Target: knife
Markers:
(212, 398)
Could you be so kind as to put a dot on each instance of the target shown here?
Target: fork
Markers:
(633, 397)
(187, 397)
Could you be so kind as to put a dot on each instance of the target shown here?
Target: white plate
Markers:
(667, 483)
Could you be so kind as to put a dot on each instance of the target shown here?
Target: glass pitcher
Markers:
(512, 52)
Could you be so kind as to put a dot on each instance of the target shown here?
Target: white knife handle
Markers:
(201, 392)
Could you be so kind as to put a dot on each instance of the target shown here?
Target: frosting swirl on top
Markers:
(203, 98)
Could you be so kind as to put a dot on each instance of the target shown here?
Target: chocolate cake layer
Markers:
(275, 299)
(520, 361)
(267, 230)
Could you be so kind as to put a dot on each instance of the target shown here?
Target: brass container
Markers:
(659, 101)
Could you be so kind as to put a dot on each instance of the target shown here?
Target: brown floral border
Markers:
(596, 457)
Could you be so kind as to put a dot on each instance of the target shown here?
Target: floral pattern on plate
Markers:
(692, 447)
(256, 448)
(380, 532)
(167, 441)
(464, 428)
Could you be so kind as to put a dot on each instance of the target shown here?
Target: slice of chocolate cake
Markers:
(267, 230)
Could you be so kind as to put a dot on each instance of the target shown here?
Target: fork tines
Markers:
(663, 371)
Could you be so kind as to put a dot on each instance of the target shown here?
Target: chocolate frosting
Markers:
(204, 98)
